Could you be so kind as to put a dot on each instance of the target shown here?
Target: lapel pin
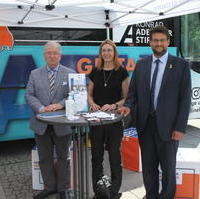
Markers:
(170, 66)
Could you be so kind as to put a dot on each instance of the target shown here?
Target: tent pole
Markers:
(107, 33)
(107, 24)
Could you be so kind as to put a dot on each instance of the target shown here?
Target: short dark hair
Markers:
(159, 29)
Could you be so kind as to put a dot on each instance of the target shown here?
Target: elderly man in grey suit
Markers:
(47, 90)
(160, 93)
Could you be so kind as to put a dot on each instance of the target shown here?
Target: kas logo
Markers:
(6, 38)
(138, 34)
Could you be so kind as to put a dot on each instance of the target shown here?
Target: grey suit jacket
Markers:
(38, 95)
(173, 100)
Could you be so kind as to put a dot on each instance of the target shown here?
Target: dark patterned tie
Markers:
(153, 85)
(52, 81)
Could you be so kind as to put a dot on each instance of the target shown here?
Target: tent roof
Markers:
(90, 13)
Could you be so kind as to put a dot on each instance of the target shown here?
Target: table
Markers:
(80, 131)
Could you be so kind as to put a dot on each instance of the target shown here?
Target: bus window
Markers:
(66, 36)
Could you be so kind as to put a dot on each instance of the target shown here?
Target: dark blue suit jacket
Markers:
(174, 97)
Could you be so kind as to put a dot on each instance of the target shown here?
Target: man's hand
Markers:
(52, 107)
(57, 107)
(124, 111)
(177, 135)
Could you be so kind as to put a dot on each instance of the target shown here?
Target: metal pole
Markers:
(74, 162)
(86, 163)
(107, 24)
(107, 32)
(79, 163)
(82, 160)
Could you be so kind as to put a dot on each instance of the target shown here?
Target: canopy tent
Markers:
(90, 13)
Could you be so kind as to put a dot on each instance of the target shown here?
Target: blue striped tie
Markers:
(51, 81)
(153, 85)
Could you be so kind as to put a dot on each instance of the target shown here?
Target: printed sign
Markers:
(195, 101)
(138, 35)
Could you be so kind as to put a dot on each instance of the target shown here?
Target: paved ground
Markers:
(15, 168)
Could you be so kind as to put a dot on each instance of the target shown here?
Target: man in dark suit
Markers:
(47, 90)
(160, 93)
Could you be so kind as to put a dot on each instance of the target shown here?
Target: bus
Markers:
(22, 51)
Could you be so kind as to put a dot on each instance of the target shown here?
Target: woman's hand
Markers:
(94, 107)
(108, 107)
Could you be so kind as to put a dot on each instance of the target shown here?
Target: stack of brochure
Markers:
(99, 115)
(78, 89)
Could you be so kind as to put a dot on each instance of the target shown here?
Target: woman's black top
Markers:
(107, 85)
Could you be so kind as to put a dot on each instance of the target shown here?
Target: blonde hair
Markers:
(116, 63)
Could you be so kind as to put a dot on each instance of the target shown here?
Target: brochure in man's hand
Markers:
(52, 114)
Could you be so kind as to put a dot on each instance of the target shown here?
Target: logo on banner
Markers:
(196, 93)
(6, 38)
(85, 63)
(138, 34)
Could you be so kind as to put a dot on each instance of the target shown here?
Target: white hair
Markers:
(54, 44)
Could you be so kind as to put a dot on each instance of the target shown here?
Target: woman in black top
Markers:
(107, 91)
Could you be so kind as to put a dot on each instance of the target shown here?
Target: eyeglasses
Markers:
(159, 40)
(107, 50)
(52, 53)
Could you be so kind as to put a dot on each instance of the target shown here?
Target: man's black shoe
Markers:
(43, 194)
(62, 195)
(94, 197)
(116, 196)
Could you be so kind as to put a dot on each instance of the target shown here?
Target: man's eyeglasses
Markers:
(158, 40)
(52, 53)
